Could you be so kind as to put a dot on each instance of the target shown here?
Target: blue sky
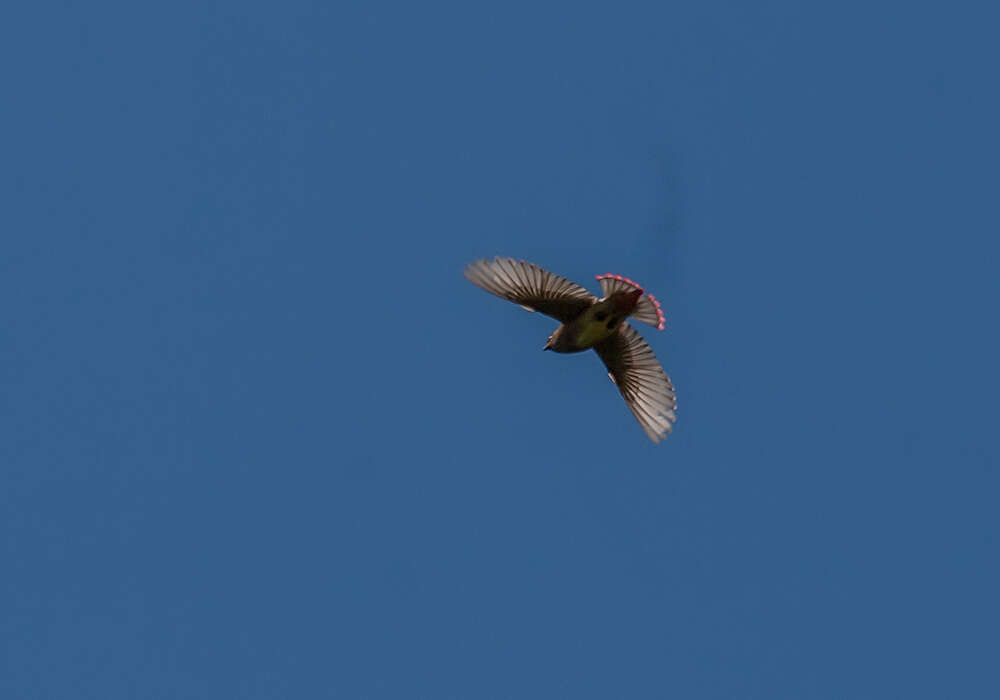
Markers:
(260, 439)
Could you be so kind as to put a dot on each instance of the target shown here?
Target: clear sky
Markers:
(260, 439)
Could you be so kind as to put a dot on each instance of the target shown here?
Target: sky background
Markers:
(260, 439)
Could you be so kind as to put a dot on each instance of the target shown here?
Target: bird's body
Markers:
(596, 323)
(589, 322)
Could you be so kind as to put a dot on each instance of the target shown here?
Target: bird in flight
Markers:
(589, 322)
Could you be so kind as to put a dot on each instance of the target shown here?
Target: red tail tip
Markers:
(659, 312)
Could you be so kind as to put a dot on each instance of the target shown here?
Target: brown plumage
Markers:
(588, 322)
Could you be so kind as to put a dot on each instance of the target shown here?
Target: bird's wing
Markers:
(641, 380)
(530, 286)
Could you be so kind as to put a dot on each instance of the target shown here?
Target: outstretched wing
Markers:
(530, 286)
(641, 380)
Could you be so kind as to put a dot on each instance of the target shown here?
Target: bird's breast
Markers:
(597, 323)
(591, 333)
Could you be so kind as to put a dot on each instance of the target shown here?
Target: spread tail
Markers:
(647, 310)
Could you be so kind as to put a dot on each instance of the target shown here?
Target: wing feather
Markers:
(530, 286)
(641, 380)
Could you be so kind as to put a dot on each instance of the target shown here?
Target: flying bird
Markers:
(589, 322)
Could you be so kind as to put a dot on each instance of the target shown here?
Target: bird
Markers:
(588, 322)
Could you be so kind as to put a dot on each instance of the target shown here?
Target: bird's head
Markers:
(556, 341)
